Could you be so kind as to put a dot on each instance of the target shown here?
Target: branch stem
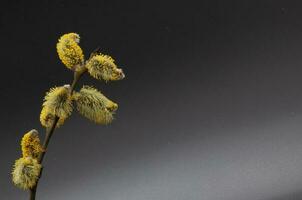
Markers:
(50, 130)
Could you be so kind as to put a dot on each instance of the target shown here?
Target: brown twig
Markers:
(49, 131)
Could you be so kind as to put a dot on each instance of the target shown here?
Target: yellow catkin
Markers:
(31, 145)
(102, 67)
(47, 118)
(57, 102)
(26, 172)
(93, 105)
(70, 53)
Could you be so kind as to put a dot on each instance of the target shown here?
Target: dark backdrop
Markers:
(211, 106)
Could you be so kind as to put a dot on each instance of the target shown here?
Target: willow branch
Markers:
(49, 131)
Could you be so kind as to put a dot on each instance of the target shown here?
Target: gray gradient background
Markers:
(211, 107)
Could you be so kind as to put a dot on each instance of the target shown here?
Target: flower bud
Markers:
(102, 67)
(70, 53)
(93, 105)
(47, 118)
(31, 145)
(26, 172)
(58, 102)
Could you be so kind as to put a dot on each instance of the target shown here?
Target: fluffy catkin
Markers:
(47, 118)
(26, 172)
(70, 53)
(93, 105)
(102, 67)
(31, 145)
(58, 102)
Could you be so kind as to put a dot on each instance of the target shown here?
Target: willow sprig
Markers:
(59, 103)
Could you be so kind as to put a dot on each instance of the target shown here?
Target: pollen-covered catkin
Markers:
(58, 101)
(47, 118)
(31, 145)
(93, 105)
(26, 172)
(102, 67)
(70, 53)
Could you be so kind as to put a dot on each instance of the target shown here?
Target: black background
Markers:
(210, 107)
